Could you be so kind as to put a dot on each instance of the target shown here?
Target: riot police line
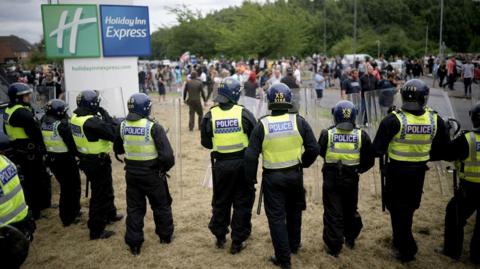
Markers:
(407, 137)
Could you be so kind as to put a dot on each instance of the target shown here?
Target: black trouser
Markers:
(441, 78)
(194, 107)
(451, 81)
(459, 209)
(284, 202)
(340, 197)
(230, 188)
(468, 85)
(36, 182)
(65, 169)
(403, 194)
(98, 169)
(209, 90)
(155, 188)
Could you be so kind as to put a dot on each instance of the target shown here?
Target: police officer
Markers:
(14, 211)
(225, 130)
(410, 137)
(25, 136)
(61, 152)
(148, 158)
(466, 200)
(281, 138)
(347, 151)
(93, 132)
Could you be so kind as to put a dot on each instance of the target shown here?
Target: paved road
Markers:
(461, 106)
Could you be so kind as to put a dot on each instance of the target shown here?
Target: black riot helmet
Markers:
(475, 116)
(414, 95)
(89, 99)
(57, 108)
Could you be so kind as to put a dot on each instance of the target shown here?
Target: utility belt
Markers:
(297, 167)
(93, 157)
(227, 156)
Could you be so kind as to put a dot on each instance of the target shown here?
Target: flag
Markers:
(185, 57)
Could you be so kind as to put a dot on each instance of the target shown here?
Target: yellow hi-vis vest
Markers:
(53, 141)
(137, 140)
(228, 135)
(414, 140)
(283, 145)
(14, 133)
(469, 169)
(83, 145)
(12, 201)
(344, 146)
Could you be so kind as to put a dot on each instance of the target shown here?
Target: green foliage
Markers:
(296, 28)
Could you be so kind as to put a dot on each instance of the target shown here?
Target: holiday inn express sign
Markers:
(72, 31)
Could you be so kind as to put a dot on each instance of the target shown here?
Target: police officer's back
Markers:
(465, 151)
(287, 145)
(347, 151)
(16, 223)
(410, 136)
(148, 157)
(61, 152)
(225, 130)
(93, 131)
(26, 139)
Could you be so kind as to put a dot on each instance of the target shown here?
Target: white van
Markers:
(348, 58)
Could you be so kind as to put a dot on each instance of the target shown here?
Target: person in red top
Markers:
(451, 72)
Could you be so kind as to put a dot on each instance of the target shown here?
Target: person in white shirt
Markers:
(467, 76)
(297, 74)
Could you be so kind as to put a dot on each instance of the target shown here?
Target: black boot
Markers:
(237, 247)
(276, 262)
(117, 217)
(221, 241)
(135, 250)
(103, 235)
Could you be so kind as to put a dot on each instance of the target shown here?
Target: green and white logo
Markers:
(71, 31)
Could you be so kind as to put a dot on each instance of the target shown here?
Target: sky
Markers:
(23, 17)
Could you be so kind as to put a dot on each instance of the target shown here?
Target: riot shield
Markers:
(168, 114)
(439, 101)
(251, 104)
(376, 106)
(111, 99)
(40, 97)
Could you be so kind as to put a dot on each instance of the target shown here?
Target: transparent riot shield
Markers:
(439, 101)
(251, 104)
(376, 105)
(168, 114)
(356, 99)
(112, 100)
(40, 97)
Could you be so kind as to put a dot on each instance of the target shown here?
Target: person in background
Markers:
(319, 85)
(141, 80)
(451, 72)
(212, 74)
(49, 81)
(467, 77)
(162, 92)
(351, 85)
(442, 73)
(191, 96)
(148, 158)
(291, 82)
(297, 74)
(417, 69)
(251, 85)
(274, 78)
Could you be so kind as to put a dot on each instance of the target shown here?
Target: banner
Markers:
(125, 30)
